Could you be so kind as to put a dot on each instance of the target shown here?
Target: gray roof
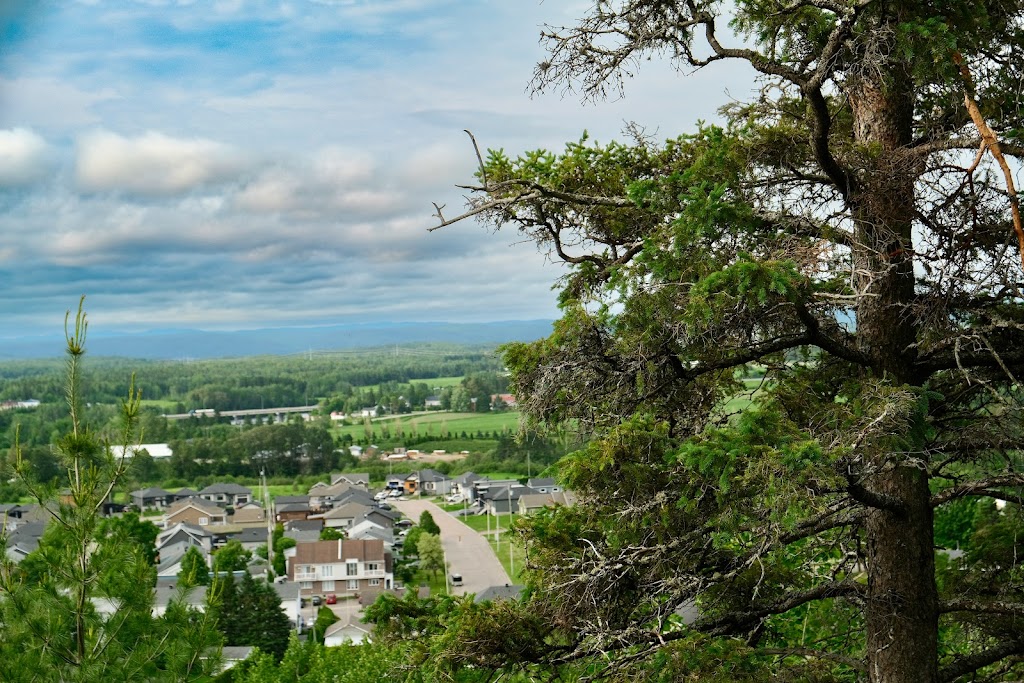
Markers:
(288, 500)
(541, 481)
(252, 534)
(432, 475)
(165, 592)
(229, 487)
(304, 525)
(151, 492)
(495, 593)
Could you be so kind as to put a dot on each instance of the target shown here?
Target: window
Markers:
(353, 584)
(306, 585)
(374, 582)
(327, 570)
(371, 566)
(328, 585)
(203, 521)
(351, 569)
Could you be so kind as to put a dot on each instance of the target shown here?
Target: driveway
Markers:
(466, 551)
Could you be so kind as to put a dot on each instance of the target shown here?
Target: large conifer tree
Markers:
(851, 237)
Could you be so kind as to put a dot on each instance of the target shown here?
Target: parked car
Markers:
(456, 579)
(317, 601)
(404, 523)
(332, 599)
(383, 506)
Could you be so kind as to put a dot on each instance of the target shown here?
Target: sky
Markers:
(237, 164)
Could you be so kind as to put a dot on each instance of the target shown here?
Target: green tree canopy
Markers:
(431, 554)
(428, 524)
(841, 235)
(194, 570)
(79, 608)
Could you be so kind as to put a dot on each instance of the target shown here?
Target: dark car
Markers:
(404, 523)
(317, 600)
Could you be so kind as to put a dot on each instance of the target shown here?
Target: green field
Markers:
(439, 423)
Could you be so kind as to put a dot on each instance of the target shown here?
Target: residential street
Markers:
(466, 551)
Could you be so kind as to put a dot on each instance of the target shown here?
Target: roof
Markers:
(541, 481)
(432, 475)
(252, 534)
(289, 500)
(347, 624)
(303, 525)
(198, 504)
(186, 492)
(496, 593)
(327, 552)
(151, 492)
(236, 653)
(194, 597)
(352, 510)
(229, 487)
(357, 478)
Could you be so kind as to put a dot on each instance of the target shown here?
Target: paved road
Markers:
(466, 551)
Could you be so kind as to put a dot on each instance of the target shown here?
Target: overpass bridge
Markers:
(250, 412)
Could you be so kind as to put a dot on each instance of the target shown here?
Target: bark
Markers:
(902, 600)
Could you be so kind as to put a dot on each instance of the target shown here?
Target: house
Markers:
(343, 566)
(505, 499)
(252, 537)
(287, 508)
(153, 497)
(291, 602)
(166, 592)
(432, 403)
(233, 655)
(532, 502)
(354, 495)
(367, 530)
(24, 540)
(169, 565)
(322, 496)
(355, 478)
(172, 543)
(196, 512)
(182, 494)
(229, 494)
(344, 516)
(463, 484)
(249, 515)
(366, 412)
(385, 519)
(303, 530)
(396, 482)
(543, 485)
(348, 629)
(502, 401)
(433, 483)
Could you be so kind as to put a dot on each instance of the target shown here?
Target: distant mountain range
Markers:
(196, 344)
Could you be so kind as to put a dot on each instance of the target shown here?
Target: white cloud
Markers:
(24, 157)
(153, 163)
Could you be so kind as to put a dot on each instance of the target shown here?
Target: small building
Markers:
(347, 630)
(196, 512)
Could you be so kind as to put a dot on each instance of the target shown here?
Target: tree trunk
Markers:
(902, 602)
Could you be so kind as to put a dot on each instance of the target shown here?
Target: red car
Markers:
(331, 599)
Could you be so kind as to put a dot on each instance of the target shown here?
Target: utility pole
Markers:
(511, 564)
(267, 512)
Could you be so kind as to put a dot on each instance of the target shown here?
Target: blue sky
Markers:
(234, 164)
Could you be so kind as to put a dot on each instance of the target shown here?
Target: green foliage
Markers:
(430, 552)
(249, 612)
(311, 662)
(80, 607)
(817, 234)
(231, 558)
(331, 534)
(194, 570)
(428, 524)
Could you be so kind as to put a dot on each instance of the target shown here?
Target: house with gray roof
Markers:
(153, 497)
(229, 494)
(543, 485)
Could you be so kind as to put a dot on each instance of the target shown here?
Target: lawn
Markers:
(439, 423)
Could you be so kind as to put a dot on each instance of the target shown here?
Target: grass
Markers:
(438, 423)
